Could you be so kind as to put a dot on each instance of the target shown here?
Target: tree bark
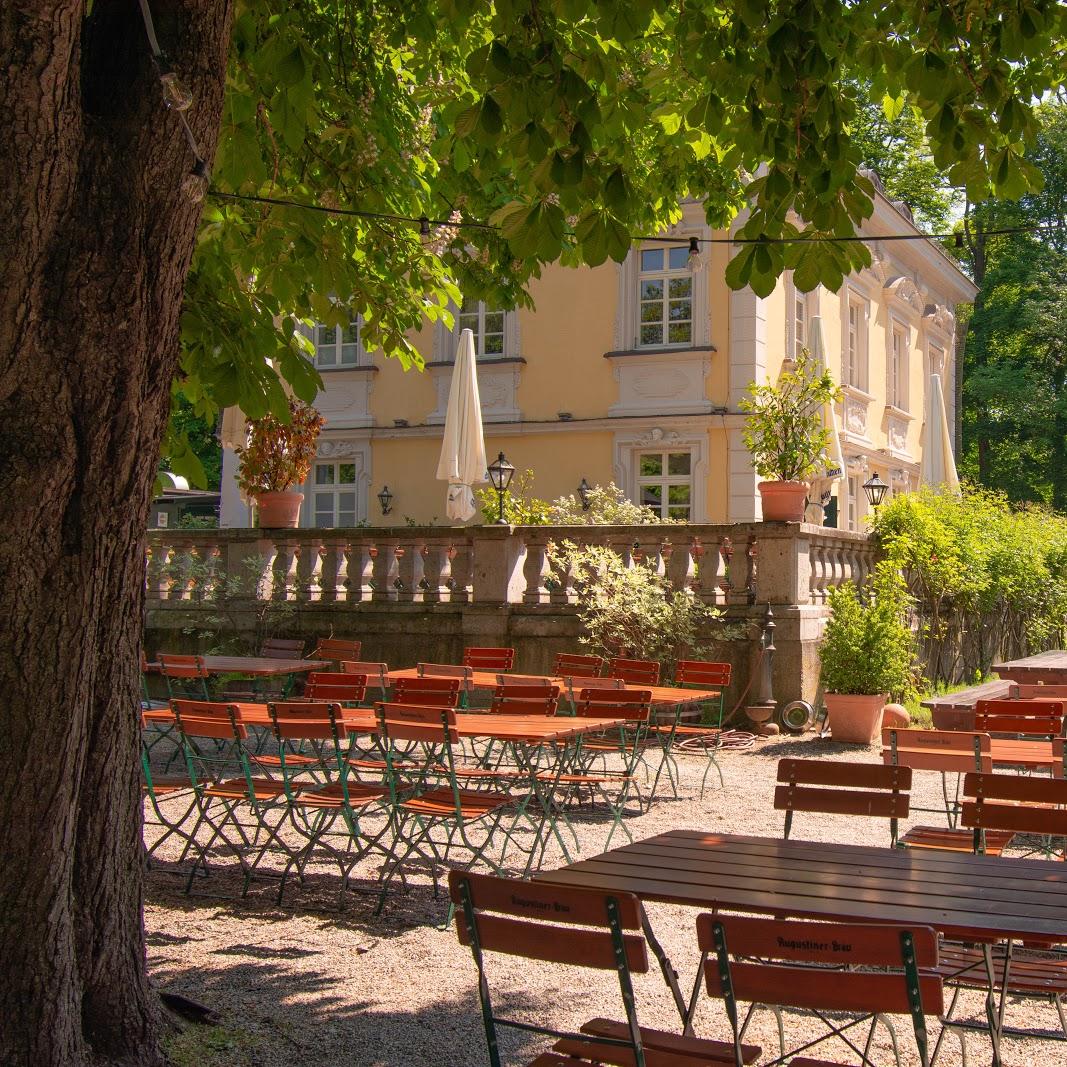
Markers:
(96, 236)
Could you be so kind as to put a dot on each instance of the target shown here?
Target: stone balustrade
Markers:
(736, 564)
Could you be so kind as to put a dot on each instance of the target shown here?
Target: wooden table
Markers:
(257, 666)
(978, 898)
(955, 711)
(1049, 668)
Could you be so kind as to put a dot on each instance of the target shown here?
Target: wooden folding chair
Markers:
(337, 649)
(635, 671)
(525, 700)
(376, 674)
(433, 816)
(347, 689)
(1027, 733)
(812, 966)
(831, 787)
(186, 676)
(704, 674)
(581, 928)
(282, 648)
(489, 659)
(947, 751)
(524, 679)
(571, 665)
(432, 691)
(451, 670)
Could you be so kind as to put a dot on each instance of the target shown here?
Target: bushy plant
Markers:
(632, 611)
(784, 431)
(608, 506)
(868, 646)
(521, 508)
(279, 454)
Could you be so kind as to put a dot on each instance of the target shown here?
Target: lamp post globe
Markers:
(500, 474)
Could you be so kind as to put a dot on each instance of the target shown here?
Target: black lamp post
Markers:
(500, 474)
(583, 494)
(385, 498)
(875, 489)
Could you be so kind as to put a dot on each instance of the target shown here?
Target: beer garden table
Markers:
(984, 899)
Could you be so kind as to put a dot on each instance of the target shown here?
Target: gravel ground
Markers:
(308, 984)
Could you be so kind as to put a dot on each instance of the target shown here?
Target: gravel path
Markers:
(306, 984)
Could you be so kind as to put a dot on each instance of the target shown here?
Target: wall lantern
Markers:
(385, 498)
(583, 494)
(500, 474)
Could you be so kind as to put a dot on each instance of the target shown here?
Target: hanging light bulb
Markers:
(695, 262)
(424, 226)
(195, 183)
(959, 239)
(176, 95)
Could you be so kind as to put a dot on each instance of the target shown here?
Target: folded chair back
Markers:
(1025, 804)
(303, 721)
(489, 659)
(811, 966)
(281, 648)
(837, 788)
(635, 671)
(344, 688)
(445, 670)
(337, 649)
(523, 679)
(525, 700)
(204, 718)
(375, 672)
(173, 666)
(434, 692)
(570, 665)
(417, 722)
(958, 751)
(1038, 718)
(702, 673)
(557, 925)
(632, 704)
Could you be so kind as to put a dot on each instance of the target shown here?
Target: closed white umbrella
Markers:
(822, 485)
(234, 430)
(939, 463)
(462, 462)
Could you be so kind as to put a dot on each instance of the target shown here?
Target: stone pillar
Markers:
(499, 556)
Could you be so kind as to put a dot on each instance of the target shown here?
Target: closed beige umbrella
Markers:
(822, 485)
(234, 431)
(462, 462)
(939, 462)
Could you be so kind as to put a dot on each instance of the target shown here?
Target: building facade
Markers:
(632, 373)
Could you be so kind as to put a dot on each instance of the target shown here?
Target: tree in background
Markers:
(570, 126)
(1015, 368)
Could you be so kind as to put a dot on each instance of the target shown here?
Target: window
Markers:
(854, 370)
(334, 495)
(898, 369)
(856, 496)
(664, 482)
(487, 326)
(800, 322)
(665, 297)
(337, 346)
(937, 359)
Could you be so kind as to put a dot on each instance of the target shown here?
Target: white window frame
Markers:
(665, 480)
(665, 275)
(796, 340)
(856, 350)
(338, 345)
(477, 328)
(855, 503)
(315, 489)
(898, 365)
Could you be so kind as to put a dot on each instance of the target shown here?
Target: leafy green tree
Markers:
(198, 433)
(571, 125)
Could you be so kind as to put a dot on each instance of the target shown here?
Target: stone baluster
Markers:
(208, 575)
(708, 565)
(683, 573)
(462, 580)
(537, 570)
(359, 583)
(818, 573)
(182, 563)
(386, 569)
(305, 556)
(286, 559)
(436, 570)
(410, 572)
(332, 569)
(751, 570)
(726, 553)
(563, 577)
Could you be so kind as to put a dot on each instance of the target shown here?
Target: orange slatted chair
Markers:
(525, 700)
(431, 692)
(489, 659)
(812, 967)
(377, 674)
(635, 671)
(282, 648)
(838, 788)
(584, 928)
(337, 649)
(569, 665)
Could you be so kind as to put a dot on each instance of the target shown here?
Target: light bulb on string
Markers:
(424, 226)
(695, 262)
(175, 93)
(195, 183)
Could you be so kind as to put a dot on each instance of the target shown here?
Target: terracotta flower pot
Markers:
(279, 511)
(783, 501)
(855, 717)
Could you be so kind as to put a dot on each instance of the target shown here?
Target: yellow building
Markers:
(632, 373)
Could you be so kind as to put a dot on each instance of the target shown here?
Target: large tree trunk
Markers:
(95, 240)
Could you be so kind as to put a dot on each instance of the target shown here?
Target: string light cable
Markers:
(423, 222)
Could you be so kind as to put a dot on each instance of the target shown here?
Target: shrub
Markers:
(868, 646)
(632, 611)
(279, 454)
(520, 509)
(608, 506)
(784, 431)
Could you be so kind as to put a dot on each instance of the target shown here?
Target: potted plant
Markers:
(867, 654)
(277, 456)
(785, 435)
